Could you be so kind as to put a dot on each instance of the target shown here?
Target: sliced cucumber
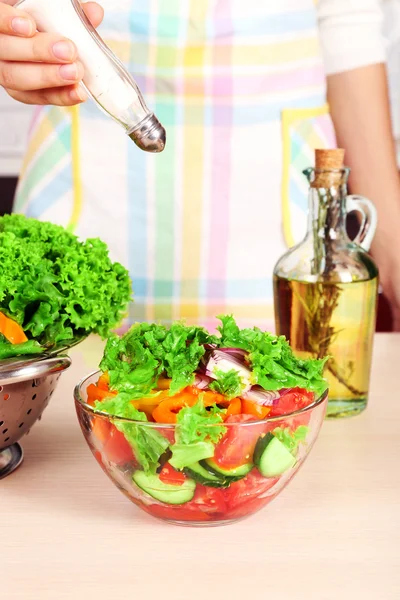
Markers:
(271, 457)
(236, 473)
(206, 477)
(165, 492)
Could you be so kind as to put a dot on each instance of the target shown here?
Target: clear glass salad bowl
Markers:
(251, 465)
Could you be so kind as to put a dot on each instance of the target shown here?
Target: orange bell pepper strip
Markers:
(147, 405)
(11, 330)
(163, 383)
(167, 410)
(254, 409)
(234, 408)
(103, 381)
(95, 393)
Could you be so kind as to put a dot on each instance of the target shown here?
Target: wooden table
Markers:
(67, 533)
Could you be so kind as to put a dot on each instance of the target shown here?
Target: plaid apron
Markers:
(239, 86)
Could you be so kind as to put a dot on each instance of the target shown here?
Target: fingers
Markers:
(22, 76)
(94, 13)
(16, 22)
(60, 96)
(43, 47)
(40, 68)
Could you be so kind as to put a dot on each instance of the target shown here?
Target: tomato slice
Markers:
(101, 428)
(170, 475)
(116, 448)
(209, 500)
(236, 448)
(291, 401)
(243, 496)
(176, 513)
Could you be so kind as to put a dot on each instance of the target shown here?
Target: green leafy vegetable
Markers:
(55, 286)
(184, 455)
(197, 424)
(137, 359)
(271, 359)
(147, 443)
(291, 439)
(228, 383)
(8, 350)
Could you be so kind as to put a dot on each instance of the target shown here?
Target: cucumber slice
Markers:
(236, 473)
(165, 492)
(206, 477)
(271, 457)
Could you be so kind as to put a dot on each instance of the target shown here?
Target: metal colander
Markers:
(26, 387)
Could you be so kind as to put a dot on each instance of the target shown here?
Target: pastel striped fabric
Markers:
(239, 86)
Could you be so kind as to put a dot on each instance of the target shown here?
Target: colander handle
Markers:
(18, 371)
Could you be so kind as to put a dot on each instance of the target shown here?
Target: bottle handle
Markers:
(369, 219)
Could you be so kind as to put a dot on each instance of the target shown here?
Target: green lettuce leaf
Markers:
(228, 383)
(291, 439)
(272, 361)
(146, 442)
(8, 350)
(136, 360)
(197, 424)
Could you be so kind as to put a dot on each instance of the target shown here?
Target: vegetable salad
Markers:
(202, 423)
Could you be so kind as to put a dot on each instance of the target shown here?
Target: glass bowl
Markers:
(206, 494)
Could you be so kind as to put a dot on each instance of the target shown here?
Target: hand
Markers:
(40, 68)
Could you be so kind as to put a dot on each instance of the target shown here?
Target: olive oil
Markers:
(335, 320)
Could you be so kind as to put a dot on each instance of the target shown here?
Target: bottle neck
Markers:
(327, 213)
(326, 226)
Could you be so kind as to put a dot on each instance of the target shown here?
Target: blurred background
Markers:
(15, 120)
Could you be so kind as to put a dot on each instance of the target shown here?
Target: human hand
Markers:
(40, 68)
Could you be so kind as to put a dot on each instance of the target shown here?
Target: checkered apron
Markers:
(239, 87)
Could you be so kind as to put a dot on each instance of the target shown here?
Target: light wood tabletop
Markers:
(67, 533)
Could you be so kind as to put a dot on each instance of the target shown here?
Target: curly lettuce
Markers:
(136, 360)
(146, 352)
(271, 359)
(55, 286)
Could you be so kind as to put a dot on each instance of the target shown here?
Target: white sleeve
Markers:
(350, 33)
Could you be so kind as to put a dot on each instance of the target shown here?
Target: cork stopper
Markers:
(328, 167)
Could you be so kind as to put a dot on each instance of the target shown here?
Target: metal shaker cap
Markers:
(149, 135)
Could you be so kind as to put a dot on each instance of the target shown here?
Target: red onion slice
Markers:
(226, 362)
(262, 397)
(202, 381)
(237, 353)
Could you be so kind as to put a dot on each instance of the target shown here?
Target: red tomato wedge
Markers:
(116, 448)
(237, 446)
(176, 513)
(210, 500)
(170, 475)
(243, 497)
(291, 401)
